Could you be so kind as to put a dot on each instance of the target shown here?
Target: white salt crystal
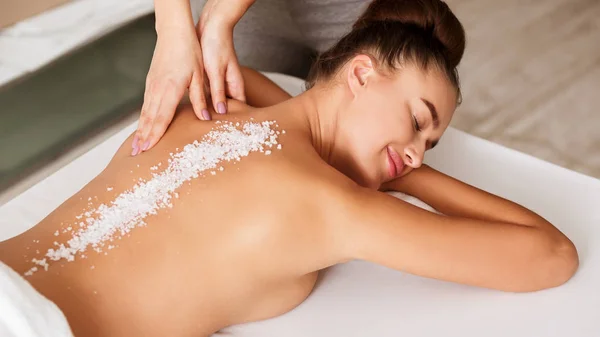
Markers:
(129, 209)
(41, 262)
(213, 173)
(268, 152)
(109, 189)
(278, 146)
(56, 233)
(31, 271)
(221, 168)
(92, 267)
(283, 131)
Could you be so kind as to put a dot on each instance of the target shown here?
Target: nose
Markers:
(413, 157)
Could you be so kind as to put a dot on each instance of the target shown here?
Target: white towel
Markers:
(24, 312)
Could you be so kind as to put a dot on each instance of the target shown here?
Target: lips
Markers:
(396, 164)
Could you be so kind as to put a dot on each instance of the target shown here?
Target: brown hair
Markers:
(394, 32)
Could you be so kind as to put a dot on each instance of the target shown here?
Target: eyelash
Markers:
(416, 124)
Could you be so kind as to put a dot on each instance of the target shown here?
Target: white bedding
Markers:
(362, 299)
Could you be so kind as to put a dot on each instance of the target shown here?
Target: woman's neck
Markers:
(318, 108)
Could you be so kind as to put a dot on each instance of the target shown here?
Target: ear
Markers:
(359, 71)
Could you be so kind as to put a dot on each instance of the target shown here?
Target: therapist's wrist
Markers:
(224, 15)
(173, 16)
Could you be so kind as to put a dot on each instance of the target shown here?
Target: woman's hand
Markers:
(176, 66)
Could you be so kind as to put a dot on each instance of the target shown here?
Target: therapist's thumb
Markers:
(217, 89)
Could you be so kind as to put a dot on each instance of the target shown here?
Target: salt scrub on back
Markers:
(101, 225)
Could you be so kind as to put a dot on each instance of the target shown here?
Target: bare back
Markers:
(240, 245)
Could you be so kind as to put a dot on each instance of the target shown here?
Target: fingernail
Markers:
(135, 142)
(146, 145)
(135, 151)
(205, 114)
(221, 108)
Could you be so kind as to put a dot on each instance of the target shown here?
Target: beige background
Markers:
(531, 77)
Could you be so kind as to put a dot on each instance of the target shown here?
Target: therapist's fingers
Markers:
(198, 98)
(166, 110)
(217, 89)
(235, 81)
(145, 122)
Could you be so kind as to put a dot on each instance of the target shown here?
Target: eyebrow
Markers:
(434, 117)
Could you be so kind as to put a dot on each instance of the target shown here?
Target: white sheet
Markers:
(362, 299)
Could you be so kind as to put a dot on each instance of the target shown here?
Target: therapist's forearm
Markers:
(226, 13)
(173, 15)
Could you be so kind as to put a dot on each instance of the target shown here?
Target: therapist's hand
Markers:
(215, 29)
(176, 66)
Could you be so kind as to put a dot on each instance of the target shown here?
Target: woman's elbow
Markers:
(563, 261)
(556, 263)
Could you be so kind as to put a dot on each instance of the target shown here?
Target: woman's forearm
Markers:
(455, 198)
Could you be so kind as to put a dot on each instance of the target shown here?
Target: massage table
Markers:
(363, 299)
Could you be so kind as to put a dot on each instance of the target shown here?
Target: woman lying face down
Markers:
(230, 221)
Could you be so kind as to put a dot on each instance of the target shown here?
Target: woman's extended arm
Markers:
(482, 240)
(260, 90)
(385, 230)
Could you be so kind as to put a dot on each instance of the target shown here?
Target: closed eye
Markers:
(416, 123)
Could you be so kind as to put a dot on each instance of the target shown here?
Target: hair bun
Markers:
(434, 16)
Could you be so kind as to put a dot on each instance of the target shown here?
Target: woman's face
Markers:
(390, 121)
